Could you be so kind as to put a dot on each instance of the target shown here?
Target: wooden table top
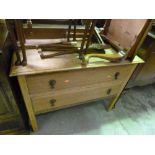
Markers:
(36, 65)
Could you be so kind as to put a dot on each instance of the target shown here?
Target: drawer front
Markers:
(65, 98)
(70, 79)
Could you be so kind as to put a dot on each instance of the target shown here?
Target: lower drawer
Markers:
(64, 98)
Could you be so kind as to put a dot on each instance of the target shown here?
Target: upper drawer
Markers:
(68, 79)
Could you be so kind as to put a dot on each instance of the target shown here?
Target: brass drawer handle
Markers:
(109, 91)
(52, 83)
(117, 75)
(52, 102)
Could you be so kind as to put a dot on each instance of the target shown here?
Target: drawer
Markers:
(64, 98)
(69, 79)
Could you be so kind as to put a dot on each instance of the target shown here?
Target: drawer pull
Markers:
(116, 75)
(52, 83)
(109, 91)
(52, 102)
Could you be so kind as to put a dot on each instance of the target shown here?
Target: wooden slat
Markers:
(46, 31)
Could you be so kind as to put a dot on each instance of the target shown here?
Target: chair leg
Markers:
(21, 39)
(11, 28)
(29, 23)
(74, 34)
(81, 52)
(69, 30)
(93, 23)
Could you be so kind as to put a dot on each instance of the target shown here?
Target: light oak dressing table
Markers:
(61, 82)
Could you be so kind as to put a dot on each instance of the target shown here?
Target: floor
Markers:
(134, 114)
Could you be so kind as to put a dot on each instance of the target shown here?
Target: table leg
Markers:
(112, 104)
(25, 92)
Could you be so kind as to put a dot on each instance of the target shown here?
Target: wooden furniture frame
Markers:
(126, 49)
(68, 46)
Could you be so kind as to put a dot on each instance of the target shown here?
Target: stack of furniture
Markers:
(63, 81)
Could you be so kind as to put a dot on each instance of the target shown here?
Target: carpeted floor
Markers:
(134, 114)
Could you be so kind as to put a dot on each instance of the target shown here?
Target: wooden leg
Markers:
(113, 102)
(115, 98)
(81, 53)
(21, 40)
(93, 22)
(69, 30)
(28, 103)
(74, 34)
(10, 26)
